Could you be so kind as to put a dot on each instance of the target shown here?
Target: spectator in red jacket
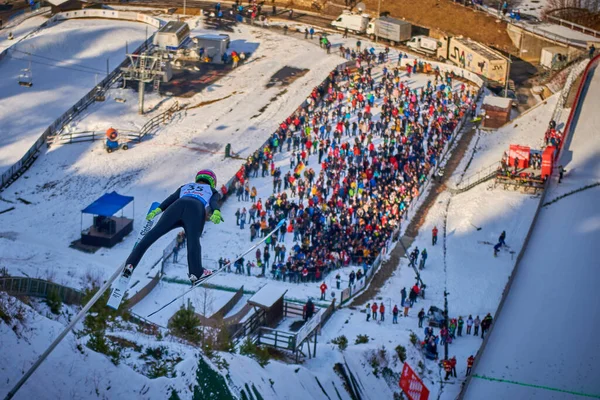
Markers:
(470, 362)
(453, 365)
(382, 311)
(323, 288)
(434, 233)
(374, 310)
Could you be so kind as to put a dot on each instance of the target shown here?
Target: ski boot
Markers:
(205, 274)
(128, 271)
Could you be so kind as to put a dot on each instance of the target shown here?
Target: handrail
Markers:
(584, 29)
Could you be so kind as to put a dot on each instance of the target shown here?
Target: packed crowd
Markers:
(371, 166)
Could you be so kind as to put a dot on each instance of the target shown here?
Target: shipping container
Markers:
(392, 29)
(477, 58)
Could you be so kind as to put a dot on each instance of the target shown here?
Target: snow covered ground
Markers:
(67, 59)
(20, 31)
(543, 344)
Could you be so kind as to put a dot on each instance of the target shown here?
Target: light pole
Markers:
(507, 76)
(184, 4)
(375, 23)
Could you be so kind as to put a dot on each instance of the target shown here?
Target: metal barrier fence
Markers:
(22, 286)
(572, 25)
(90, 136)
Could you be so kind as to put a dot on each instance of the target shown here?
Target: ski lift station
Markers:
(172, 36)
(214, 46)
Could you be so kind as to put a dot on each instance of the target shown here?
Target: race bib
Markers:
(198, 191)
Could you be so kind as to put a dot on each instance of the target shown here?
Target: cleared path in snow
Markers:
(544, 343)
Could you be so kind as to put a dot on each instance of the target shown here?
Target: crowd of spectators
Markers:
(360, 150)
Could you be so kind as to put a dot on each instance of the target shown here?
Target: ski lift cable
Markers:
(58, 66)
(54, 59)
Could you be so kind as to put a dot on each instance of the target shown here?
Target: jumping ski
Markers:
(122, 284)
(206, 277)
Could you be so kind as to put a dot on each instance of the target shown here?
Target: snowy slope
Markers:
(554, 297)
(68, 372)
(20, 31)
(67, 59)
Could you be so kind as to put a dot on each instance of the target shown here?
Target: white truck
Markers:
(424, 45)
(392, 29)
(356, 23)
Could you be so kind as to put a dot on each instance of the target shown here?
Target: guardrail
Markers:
(568, 132)
(572, 25)
(530, 27)
(23, 286)
(478, 177)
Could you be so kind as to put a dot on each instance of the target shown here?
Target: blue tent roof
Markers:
(108, 204)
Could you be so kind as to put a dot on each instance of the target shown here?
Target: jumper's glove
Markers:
(153, 213)
(216, 218)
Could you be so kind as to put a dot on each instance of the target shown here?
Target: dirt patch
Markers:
(448, 17)
(388, 267)
(264, 108)
(207, 102)
(193, 78)
(286, 76)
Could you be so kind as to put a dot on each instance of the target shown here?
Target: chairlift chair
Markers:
(25, 78)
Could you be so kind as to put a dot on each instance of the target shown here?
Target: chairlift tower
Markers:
(146, 68)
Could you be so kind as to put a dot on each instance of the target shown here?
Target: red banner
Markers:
(412, 385)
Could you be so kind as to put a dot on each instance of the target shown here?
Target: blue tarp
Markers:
(108, 204)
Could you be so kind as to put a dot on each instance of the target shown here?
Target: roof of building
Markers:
(173, 27)
(495, 101)
(480, 49)
(267, 296)
(108, 204)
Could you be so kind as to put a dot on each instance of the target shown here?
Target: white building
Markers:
(172, 36)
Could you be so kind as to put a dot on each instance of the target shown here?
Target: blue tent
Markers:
(108, 204)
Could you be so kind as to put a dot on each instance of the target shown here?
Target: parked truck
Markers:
(424, 45)
(356, 23)
(392, 29)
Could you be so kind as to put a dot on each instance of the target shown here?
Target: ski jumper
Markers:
(185, 208)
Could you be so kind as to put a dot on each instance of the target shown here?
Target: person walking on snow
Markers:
(460, 324)
(323, 288)
(403, 294)
(477, 322)
(448, 368)
(395, 313)
(421, 316)
(469, 324)
(453, 365)
(423, 259)
(374, 310)
(368, 311)
(185, 208)
(470, 362)
(434, 233)
(382, 311)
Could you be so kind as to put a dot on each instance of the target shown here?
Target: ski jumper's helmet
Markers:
(207, 176)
